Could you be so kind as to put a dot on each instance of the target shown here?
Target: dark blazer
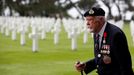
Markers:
(121, 63)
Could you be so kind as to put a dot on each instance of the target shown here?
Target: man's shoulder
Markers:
(113, 28)
(113, 31)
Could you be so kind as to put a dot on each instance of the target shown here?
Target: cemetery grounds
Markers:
(50, 59)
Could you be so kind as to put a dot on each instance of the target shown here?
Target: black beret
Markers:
(95, 12)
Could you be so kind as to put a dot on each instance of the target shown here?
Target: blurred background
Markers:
(65, 8)
(47, 37)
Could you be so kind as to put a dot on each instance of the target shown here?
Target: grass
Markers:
(50, 59)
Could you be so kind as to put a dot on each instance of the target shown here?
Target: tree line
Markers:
(52, 8)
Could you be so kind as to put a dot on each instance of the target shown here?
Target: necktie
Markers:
(97, 41)
(96, 47)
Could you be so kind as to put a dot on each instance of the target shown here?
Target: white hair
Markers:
(100, 18)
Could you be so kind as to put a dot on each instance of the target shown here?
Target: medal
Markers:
(99, 55)
(104, 35)
(105, 49)
(106, 59)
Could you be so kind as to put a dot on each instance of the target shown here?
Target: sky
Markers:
(73, 12)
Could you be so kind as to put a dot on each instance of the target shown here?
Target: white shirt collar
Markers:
(102, 30)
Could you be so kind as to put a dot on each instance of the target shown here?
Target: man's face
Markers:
(92, 24)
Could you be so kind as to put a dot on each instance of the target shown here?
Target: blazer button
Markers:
(97, 66)
(99, 55)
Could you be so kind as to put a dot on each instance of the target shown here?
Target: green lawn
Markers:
(50, 59)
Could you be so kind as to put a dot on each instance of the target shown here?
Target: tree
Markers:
(1, 7)
(33, 7)
(130, 7)
(86, 4)
(118, 3)
(52, 7)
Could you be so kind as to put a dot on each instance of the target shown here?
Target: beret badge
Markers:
(91, 12)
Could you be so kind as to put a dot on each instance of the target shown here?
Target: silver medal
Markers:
(99, 55)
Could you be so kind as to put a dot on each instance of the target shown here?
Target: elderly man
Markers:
(112, 56)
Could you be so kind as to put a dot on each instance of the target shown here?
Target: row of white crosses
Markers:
(23, 29)
(3, 25)
(10, 25)
(38, 27)
(34, 35)
(73, 29)
(56, 30)
(86, 31)
(132, 30)
(21, 25)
